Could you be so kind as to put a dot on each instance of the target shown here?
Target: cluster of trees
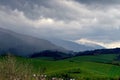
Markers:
(100, 51)
(118, 58)
(54, 54)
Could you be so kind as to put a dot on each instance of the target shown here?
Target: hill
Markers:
(100, 51)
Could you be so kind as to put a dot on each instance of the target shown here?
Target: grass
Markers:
(81, 68)
(104, 58)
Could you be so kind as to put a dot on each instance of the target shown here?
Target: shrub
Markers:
(10, 69)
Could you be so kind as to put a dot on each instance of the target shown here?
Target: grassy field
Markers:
(81, 68)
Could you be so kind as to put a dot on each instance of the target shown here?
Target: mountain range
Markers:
(24, 45)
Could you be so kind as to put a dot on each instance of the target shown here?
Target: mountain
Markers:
(24, 45)
(73, 46)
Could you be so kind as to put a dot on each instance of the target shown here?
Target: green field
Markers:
(81, 68)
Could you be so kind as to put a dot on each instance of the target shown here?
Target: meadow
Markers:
(94, 67)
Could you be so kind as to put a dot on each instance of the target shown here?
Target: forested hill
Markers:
(100, 51)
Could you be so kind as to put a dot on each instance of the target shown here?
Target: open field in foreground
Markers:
(98, 67)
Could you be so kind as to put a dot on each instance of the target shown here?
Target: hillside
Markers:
(24, 45)
(100, 51)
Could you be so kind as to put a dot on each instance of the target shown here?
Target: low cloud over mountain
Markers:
(11, 42)
(96, 20)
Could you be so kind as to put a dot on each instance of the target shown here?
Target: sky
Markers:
(82, 21)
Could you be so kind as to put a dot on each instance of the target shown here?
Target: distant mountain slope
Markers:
(23, 45)
(69, 45)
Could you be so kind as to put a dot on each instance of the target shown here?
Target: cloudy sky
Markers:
(82, 21)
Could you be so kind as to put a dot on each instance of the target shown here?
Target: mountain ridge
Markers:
(24, 45)
(73, 46)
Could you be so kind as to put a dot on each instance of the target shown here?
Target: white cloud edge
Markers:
(106, 45)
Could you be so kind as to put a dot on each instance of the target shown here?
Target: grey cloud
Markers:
(65, 19)
(27, 6)
(36, 9)
(55, 9)
(102, 2)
